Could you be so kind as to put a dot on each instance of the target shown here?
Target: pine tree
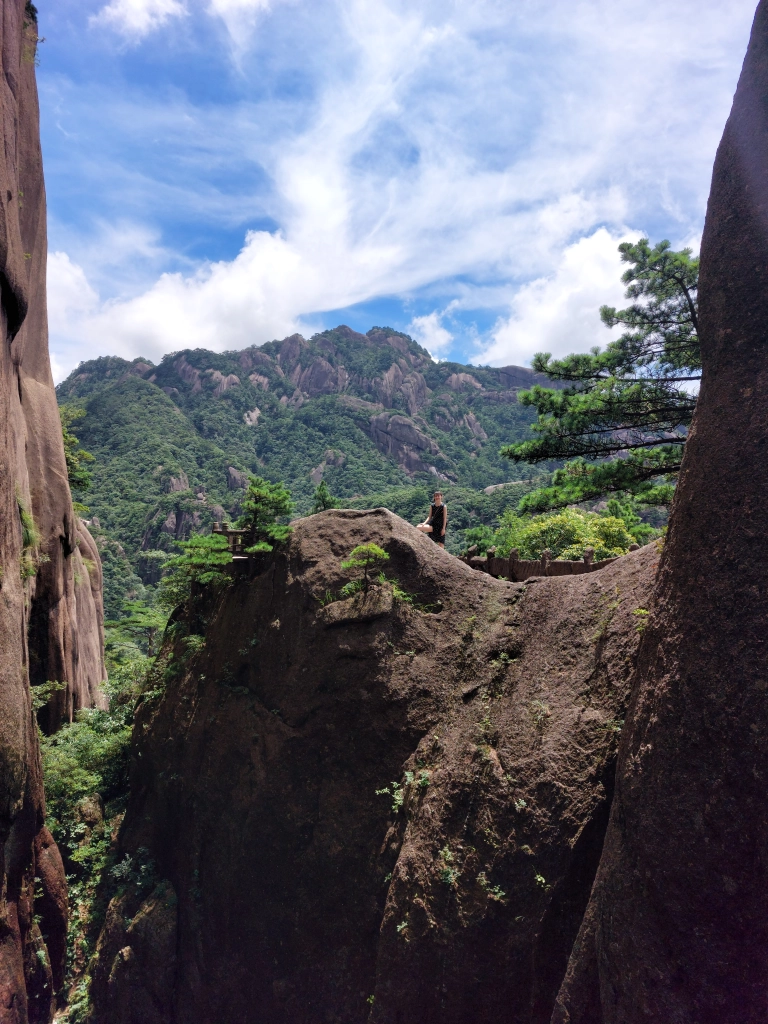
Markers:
(623, 413)
(203, 560)
(365, 559)
(263, 504)
(323, 499)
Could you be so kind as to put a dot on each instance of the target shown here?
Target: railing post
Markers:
(514, 557)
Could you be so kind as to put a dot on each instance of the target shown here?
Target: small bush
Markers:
(365, 559)
(565, 534)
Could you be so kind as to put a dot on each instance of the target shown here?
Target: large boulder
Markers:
(385, 807)
(677, 928)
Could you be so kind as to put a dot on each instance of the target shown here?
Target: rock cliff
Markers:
(677, 927)
(50, 587)
(372, 809)
(390, 811)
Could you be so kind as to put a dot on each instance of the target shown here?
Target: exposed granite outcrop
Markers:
(402, 438)
(297, 891)
(677, 927)
(50, 614)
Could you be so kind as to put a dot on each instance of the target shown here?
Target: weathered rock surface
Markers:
(133, 980)
(489, 710)
(677, 928)
(402, 438)
(50, 622)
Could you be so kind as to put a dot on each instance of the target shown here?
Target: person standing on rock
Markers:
(436, 522)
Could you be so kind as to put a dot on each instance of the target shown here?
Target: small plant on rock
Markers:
(449, 874)
(396, 792)
(493, 892)
(366, 560)
(539, 713)
(642, 615)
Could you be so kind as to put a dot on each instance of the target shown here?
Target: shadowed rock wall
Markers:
(50, 624)
(677, 928)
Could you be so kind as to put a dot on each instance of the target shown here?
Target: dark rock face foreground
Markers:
(290, 890)
(50, 614)
(677, 928)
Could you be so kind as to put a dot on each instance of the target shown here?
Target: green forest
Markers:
(173, 448)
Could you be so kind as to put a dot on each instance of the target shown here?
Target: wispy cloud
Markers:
(136, 18)
(429, 331)
(482, 157)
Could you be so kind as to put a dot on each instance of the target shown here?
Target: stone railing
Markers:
(519, 569)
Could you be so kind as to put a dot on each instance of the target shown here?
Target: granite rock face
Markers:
(50, 588)
(677, 927)
(374, 798)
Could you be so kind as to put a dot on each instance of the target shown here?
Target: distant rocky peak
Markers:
(291, 350)
(346, 332)
(400, 342)
(252, 357)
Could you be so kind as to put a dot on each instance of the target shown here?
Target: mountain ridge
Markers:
(371, 414)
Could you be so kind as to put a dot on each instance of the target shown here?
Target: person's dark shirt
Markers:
(437, 517)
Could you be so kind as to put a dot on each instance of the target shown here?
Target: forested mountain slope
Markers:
(371, 414)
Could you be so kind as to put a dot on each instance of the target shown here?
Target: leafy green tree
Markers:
(263, 504)
(565, 534)
(139, 627)
(323, 499)
(86, 769)
(623, 414)
(365, 560)
(202, 560)
(480, 537)
(77, 458)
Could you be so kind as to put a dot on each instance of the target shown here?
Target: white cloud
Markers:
(429, 332)
(136, 18)
(560, 313)
(238, 15)
(468, 149)
(70, 296)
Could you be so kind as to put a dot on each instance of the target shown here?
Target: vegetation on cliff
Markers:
(76, 456)
(264, 503)
(85, 774)
(623, 413)
(610, 530)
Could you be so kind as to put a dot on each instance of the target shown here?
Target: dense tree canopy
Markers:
(622, 414)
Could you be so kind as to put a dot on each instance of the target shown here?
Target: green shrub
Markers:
(564, 533)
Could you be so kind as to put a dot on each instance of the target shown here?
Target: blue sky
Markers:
(225, 172)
